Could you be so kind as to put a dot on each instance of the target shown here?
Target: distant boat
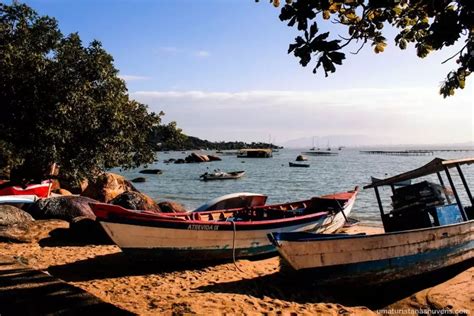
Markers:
(319, 153)
(219, 234)
(255, 153)
(220, 175)
(422, 234)
(304, 165)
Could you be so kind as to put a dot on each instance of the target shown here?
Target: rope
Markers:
(233, 245)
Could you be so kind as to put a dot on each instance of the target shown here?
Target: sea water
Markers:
(281, 183)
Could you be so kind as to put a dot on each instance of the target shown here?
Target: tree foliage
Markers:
(62, 102)
(430, 25)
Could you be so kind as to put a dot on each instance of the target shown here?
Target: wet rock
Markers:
(62, 207)
(107, 186)
(193, 157)
(151, 171)
(135, 201)
(179, 161)
(171, 207)
(139, 180)
(11, 215)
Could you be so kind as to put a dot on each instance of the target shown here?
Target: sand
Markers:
(250, 287)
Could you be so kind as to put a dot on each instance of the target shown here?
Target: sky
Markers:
(220, 69)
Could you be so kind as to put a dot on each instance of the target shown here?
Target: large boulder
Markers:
(74, 186)
(138, 180)
(107, 186)
(193, 157)
(11, 215)
(32, 231)
(301, 158)
(62, 207)
(88, 231)
(62, 192)
(171, 207)
(135, 201)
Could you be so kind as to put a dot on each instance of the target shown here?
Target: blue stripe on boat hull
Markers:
(378, 271)
(176, 254)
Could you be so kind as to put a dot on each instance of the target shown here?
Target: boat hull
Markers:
(195, 241)
(371, 259)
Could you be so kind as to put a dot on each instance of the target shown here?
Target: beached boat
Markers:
(304, 165)
(233, 200)
(40, 190)
(18, 199)
(220, 175)
(422, 234)
(220, 234)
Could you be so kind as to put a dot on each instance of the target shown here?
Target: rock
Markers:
(179, 161)
(63, 192)
(139, 180)
(73, 186)
(11, 215)
(301, 158)
(62, 207)
(196, 158)
(55, 185)
(171, 207)
(107, 186)
(136, 201)
(214, 158)
(151, 171)
(32, 231)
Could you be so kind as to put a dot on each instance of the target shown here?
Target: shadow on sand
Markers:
(302, 288)
(119, 265)
(29, 292)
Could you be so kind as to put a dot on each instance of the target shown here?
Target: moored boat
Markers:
(220, 234)
(422, 234)
(220, 175)
(303, 165)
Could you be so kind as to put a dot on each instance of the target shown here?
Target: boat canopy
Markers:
(435, 166)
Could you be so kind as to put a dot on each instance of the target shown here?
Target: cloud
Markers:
(173, 50)
(202, 54)
(398, 115)
(133, 77)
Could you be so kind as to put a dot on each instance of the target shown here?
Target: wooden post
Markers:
(458, 200)
(442, 183)
(465, 183)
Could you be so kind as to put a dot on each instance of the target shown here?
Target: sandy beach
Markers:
(248, 286)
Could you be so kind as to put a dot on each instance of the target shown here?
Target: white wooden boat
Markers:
(18, 199)
(419, 238)
(220, 234)
(220, 175)
(233, 200)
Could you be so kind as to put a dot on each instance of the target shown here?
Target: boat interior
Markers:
(320, 205)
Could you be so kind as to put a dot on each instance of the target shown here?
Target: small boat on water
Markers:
(303, 165)
(41, 190)
(422, 234)
(220, 175)
(320, 153)
(232, 201)
(220, 234)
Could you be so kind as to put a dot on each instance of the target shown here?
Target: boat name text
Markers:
(203, 227)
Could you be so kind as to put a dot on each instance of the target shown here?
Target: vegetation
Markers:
(62, 102)
(170, 137)
(430, 25)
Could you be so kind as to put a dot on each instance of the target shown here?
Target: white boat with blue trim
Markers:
(422, 234)
(220, 234)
